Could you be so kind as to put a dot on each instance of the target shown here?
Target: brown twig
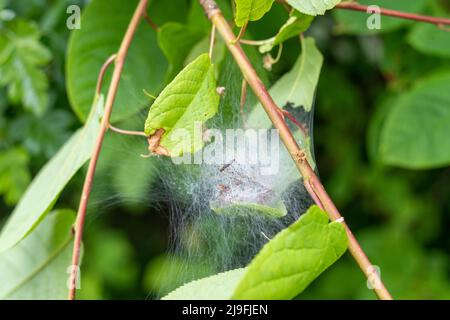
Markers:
(298, 155)
(152, 24)
(127, 132)
(313, 195)
(240, 34)
(300, 126)
(355, 6)
(112, 92)
(101, 75)
(394, 13)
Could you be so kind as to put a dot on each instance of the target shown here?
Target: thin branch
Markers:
(211, 41)
(255, 42)
(440, 22)
(127, 132)
(101, 75)
(152, 24)
(298, 155)
(112, 92)
(240, 34)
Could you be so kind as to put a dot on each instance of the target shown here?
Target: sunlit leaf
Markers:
(216, 287)
(183, 106)
(353, 22)
(295, 25)
(294, 258)
(298, 86)
(283, 268)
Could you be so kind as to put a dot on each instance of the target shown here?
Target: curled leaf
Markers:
(295, 25)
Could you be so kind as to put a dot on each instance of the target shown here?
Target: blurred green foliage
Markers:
(401, 216)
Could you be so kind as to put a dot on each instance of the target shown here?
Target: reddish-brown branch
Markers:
(313, 195)
(152, 24)
(102, 72)
(112, 92)
(311, 181)
(128, 132)
(397, 14)
(285, 113)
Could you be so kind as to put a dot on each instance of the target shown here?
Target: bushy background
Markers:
(400, 215)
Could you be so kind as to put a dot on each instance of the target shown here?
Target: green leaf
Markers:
(283, 268)
(298, 86)
(36, 268)
(295, 25)
(41, 139)
(21, 58)
(176, 41)
(103, 27)
(251, 10)
(216, 287)
(14, 174)
(294, 258)
(416, 130)
(428, 39)
(183, 106)
(313, 7)
(243, 208)
(353, 22)
(50, 181)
